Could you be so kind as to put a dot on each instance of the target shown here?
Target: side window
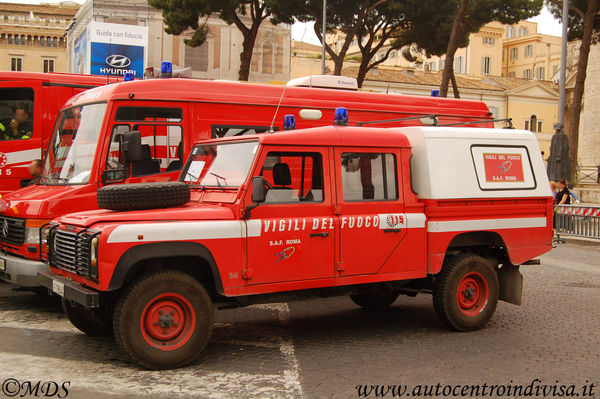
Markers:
(369, 177)
(294, 176)
(16, 113)
(113, 160)
(219, 131)
(161, 149)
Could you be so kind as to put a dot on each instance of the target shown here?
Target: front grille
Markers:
(71, 251)
(12, 230)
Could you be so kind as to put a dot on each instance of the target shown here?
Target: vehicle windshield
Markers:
(220, 165)
(73, 146)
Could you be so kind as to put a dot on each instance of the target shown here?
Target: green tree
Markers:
(247, 16)
(584, 20)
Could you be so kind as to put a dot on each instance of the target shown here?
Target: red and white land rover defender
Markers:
(367, 212)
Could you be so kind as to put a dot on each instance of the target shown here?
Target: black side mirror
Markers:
(132, 146)
(117, 175)
(259, 189)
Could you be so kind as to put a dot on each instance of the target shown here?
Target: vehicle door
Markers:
(291, 236)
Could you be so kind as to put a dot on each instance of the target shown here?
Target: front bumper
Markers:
(69, 289)
(20, 271)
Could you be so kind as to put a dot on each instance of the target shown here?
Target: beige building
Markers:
(217, 58)
(589, 128)
(532, 104)
(32, 37)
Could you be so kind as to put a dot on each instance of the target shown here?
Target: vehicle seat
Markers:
(282, 178)
(176, 165)
(147, 165)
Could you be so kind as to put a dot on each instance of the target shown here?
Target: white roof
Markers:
(459, 162)
(325, 81)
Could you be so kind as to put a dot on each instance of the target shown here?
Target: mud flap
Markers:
(511, 284)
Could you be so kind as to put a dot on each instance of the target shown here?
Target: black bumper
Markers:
(69, 289)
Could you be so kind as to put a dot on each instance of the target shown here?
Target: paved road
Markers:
(325, 348)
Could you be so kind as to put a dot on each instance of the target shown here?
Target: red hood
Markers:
(189, 211)
(49, 202)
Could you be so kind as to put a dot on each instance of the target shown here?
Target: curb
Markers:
(587, 242)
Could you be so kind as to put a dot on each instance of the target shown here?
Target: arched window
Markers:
(267, 58)
(532, 123)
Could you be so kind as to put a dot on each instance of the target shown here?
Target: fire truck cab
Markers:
(91, 142)
(372, 213)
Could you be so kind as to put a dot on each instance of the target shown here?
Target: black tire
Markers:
(89, 321)
(374, 300)
(160, 294)
(124, 197)
(475, 279)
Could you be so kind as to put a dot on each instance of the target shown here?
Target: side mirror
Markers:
(259, 189)
(132, 146)
(114, 176)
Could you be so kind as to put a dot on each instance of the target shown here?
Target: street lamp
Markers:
(559, 162)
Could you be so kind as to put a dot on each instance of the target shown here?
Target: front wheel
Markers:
(164, 320)
(465, 292)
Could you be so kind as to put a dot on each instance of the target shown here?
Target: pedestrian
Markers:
(563, 197)
(553, 188)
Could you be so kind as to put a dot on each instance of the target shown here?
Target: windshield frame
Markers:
(220, 142)
(44, 179)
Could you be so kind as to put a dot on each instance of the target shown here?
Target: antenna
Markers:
(387, 89)
(277, 110)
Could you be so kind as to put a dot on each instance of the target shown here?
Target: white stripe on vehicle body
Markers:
(17, 157)
(485, 224)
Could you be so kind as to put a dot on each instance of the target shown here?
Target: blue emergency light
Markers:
(128, 77)
(289, 122)
(435, 93)
(341, 117)
(166, 69)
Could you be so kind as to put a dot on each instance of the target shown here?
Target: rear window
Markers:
(503, 167)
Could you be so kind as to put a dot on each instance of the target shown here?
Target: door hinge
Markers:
(337, 210)
(340, 266)
(247, 274)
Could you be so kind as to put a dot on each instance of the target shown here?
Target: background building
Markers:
(217, 58)
(32, 37)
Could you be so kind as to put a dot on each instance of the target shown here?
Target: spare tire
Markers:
(126, 197)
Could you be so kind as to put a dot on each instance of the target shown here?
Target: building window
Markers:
(529, 50)
(267, 58)
(430, 66)
(55, 42)
(490, 41)
(526, 124)
(539, 126)
(512, 74)
(540, 73)
(441, 65)
(459, 64)
(48, 66)
(554, 69)
(10, 39)
(511, 31)
(523, 31)
(16, 64)
(486, 65)
(527, 74)
(533, 123)
(494, 111)
(514, 53)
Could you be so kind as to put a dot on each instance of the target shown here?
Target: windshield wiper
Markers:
(219, 177)
(193, 177)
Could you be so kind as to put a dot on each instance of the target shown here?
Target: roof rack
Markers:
(434, 121)
(508, 121)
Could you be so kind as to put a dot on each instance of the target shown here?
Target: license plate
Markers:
(58, 288)
(2, 264)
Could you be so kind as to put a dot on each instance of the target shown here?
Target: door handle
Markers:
(392, 230)
(319, 234)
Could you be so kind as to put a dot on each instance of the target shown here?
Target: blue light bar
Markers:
(128, 77)
(435, 93)
(166, 69)
(289, 122)
(341, 117)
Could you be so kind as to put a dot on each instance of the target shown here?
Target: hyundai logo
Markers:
(118, 61)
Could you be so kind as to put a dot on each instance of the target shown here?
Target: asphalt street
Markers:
(325, 348)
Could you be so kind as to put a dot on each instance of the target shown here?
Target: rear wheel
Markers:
(374, 300)
(164, 320)
(465, 292)
(92, 322)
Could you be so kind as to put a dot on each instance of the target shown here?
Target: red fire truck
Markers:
(367, 212)
(29, 104)
(95, 127)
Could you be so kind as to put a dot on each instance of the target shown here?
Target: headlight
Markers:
(94, 258)
(32, 230)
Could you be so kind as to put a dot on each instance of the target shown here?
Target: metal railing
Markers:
(588, 174)
(577, 221)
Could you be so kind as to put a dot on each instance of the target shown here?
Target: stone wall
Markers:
(589, 129)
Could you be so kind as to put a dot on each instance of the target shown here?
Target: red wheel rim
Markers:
(168, 321)
(472, 294)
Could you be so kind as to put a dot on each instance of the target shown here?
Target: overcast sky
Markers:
(304, 32)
